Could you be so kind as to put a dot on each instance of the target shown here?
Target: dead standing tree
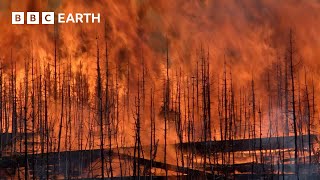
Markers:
(166, 108)
(99, 111)
(291, 51)
(137, 146)
(26, 95)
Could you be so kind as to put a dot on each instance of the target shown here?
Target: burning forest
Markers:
(200, 89)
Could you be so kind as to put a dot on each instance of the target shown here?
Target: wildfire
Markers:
(165, 72)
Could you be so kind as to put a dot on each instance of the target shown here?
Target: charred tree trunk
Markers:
(99, 112)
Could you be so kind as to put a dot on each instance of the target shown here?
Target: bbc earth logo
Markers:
(49, 18)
